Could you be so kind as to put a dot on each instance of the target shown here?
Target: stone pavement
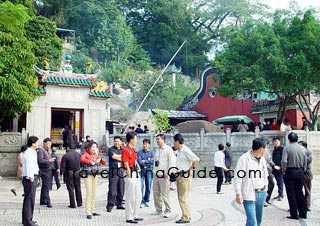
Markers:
(207, 208)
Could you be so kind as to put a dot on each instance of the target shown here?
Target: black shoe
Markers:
(96, 214)
(109, 210)
(58, 187)
(138, 219)
(182, 221)
(72, 207)
(131, 221)
(268, 202)
(79, 205)
(280, 198)
(120, 208)
(49, 206)
(304, 217)
(308, 209)
(293, 218)
(89, 217)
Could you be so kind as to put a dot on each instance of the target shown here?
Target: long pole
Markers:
(145, 97)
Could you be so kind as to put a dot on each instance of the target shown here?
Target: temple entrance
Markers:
(60, 118)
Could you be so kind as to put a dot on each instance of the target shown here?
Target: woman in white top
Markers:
(219, 166)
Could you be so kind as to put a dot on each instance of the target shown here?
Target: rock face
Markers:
(195, 126)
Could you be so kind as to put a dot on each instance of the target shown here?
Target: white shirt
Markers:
(219, 159)
(30, 164)
(185, 158)
(166, 159)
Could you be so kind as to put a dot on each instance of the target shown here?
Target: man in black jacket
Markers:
(228, 162)
(277, 172)
(70, 168)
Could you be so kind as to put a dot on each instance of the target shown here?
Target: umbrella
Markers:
(229, 120)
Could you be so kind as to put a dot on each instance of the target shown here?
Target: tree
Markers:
(161, 120)
(281, 59)
(46, 44)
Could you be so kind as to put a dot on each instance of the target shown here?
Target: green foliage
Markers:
(42, 32)
(160, 120)
(79, 62)
(17, 80)
(12, 17)
(281, 58)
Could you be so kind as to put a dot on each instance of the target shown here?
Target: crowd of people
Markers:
(134, 174)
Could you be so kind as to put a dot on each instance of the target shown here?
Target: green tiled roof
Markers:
(68, 81)
(42, 89)
(103, 94)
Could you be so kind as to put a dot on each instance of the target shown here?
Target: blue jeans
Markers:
(146, 181)
(254, 209)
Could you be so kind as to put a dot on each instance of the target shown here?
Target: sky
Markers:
(285, 3)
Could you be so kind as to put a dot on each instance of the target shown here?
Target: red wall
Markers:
(222, 106)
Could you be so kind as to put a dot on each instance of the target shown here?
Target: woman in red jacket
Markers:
(91, 158)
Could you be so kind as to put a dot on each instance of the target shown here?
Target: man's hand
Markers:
(52, 159)
(277, 167)
(239, 198)
(98, 160)
(93, 163)
(31, 179)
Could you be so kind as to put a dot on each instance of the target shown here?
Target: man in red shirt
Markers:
(132, 181)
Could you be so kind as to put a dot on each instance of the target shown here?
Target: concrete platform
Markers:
(207, 207)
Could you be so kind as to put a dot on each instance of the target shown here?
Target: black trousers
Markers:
(73, 182)
(219, 172)
(46, 177)
(294, 179)
(55, 175)
(227, 175)
(279, 178)
(29, 189)
(116, 188)
(270, 187)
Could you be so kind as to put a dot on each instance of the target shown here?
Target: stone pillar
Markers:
(107, 139)
(257, 132)
(24, 136)
(202, 133)
(228, 135)
(15, 124)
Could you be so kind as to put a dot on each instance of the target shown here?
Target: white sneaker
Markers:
(147, 204)
(142, 205)
(156, 213)
(167, 214)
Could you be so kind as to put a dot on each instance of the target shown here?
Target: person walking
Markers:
(132, 181)
(164, 161)
(277, 172)
(70, 168)
(44, 162)
(186, 162)
(219, 166)
(92, 162)
(270, 167)
(116, 177)
(294, 164)
(228, 163)
(146, 161)
(55, 167)
(308, 175)
(251, 189)
(30, 171)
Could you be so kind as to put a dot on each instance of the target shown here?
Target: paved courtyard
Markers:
(207, 207)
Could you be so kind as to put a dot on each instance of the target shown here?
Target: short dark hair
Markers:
(130, 135)
(117, 137)
(161, 136)
(139, 125)
(286, 120)
(293, 137)
(220, 147)
(146, 141)
(228, 144)
(260, 142)
(276, 138)
(46, 140)
(91, 143)
(178, 137)
(32, 140)
(303, 143)
(23, 148)
(88, 136)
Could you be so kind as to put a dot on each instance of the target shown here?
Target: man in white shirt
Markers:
(165, 160)
(186, 161)
(251, 181)
(30, 171)
(219, 166)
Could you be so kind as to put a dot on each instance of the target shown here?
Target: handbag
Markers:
(92, 169)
